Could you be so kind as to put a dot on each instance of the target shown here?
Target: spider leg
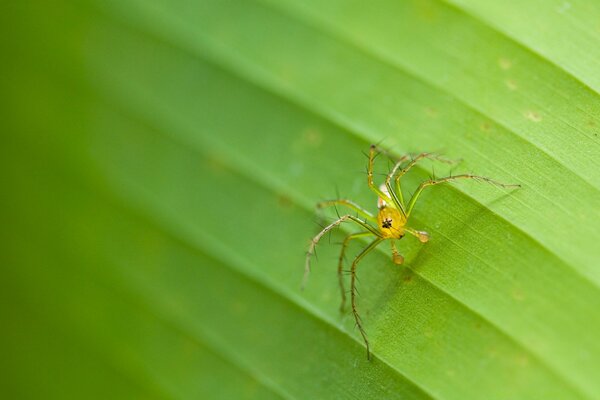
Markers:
(389, 177)
(396, 195)
(360, 255)
(421, 235)
(421, 156)
(389, 197)
(350, 204)
(411, 164)
(315, 240)
(341, 263)
(396, 257)
(372, 154)
(381, 150)
(432, 182)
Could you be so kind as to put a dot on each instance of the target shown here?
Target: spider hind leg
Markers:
(353, 290)
(341, 264)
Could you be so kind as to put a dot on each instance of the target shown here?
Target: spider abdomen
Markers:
(390, 222)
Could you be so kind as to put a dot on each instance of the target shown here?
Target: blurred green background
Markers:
(160, 163)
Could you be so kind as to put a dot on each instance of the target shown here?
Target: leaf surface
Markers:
(185, 164)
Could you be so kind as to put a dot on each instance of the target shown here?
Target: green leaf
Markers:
(166, 162)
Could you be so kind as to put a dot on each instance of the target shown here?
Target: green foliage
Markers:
(163, 160)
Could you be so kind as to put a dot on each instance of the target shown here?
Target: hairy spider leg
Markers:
(350, 204)
(411, 164)
(389, 197)
(341, 263)
(372, 154)
(432, 182)
(389, 177)
(384, 151)
(315, 240)
(360, 255)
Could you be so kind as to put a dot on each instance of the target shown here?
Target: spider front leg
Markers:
(360, 255)
(315, 240)
(372, 154)
(389, 197)
(432, 182)
(421, 156)
(341, 264)
(388, 181)
(350, 204)
(411, 164)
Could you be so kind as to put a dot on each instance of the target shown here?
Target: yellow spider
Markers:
(390, 222)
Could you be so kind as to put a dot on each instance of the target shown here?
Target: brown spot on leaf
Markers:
(504, 63)
(511, 84)
(284, 201)
(533, 115)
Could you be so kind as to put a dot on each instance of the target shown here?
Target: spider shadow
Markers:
(477, 213)
(412, 272)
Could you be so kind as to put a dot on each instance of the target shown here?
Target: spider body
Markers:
(390, 223)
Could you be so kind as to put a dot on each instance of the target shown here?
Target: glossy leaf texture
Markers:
(163, 160)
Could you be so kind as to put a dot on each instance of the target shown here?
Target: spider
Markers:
(390, 223)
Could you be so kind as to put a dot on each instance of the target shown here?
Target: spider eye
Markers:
(387, 223)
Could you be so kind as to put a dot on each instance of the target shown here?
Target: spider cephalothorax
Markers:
(390, 223)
